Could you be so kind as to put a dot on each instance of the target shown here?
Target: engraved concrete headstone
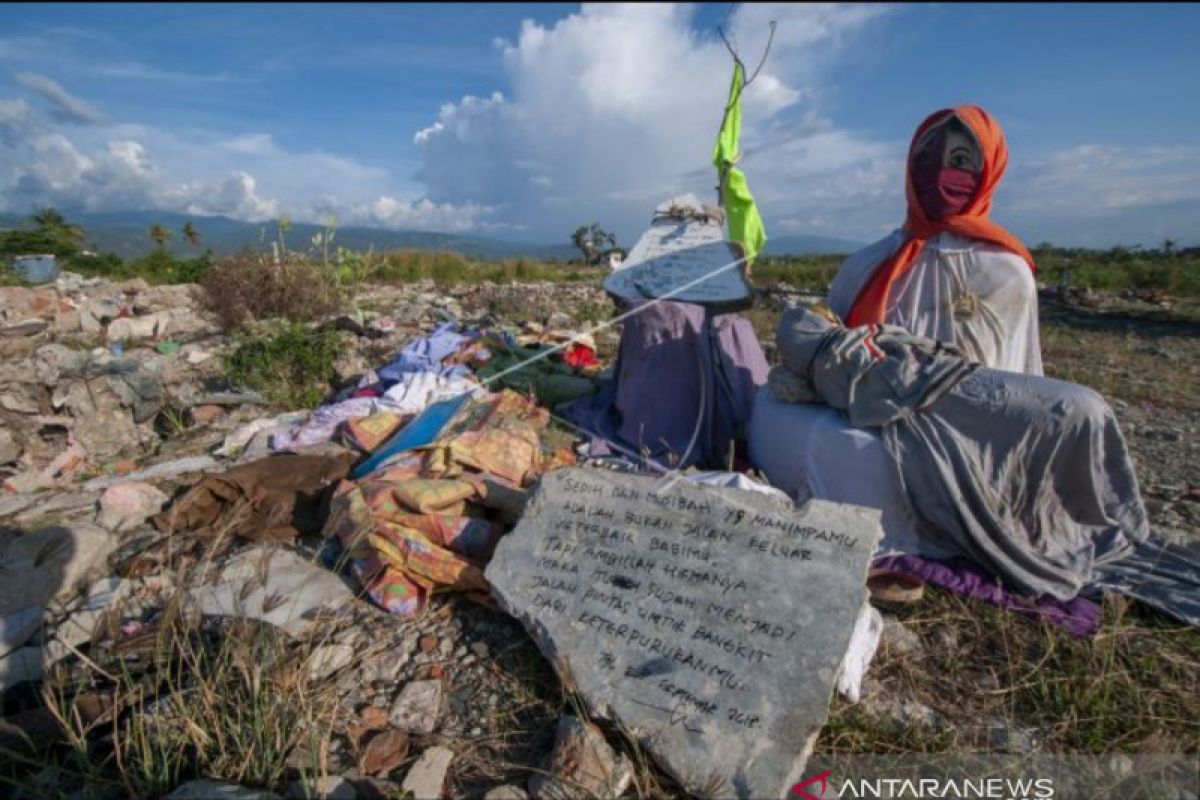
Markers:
(680, 251)
(711, 622)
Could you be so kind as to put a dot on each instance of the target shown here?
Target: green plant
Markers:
(291, 364)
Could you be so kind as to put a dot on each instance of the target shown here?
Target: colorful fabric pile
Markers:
(428, 518)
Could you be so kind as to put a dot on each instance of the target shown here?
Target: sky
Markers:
(524, 121)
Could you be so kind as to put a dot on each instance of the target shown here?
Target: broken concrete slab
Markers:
(275, 586)
(167, 469)
(710, 622)
(57, 505)
(127, 505)
(426, 778)
(48, 563)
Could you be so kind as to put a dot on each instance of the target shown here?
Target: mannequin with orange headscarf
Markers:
(950, 273)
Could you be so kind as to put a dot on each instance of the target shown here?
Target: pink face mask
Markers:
(944, 192)
(942, 173)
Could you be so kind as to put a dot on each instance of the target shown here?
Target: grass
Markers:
(291, 364)
(183, 699)
(1132, 688)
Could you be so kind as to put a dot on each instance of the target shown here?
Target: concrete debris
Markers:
(275, 586)
(127, 505)
(215, 790)
(418, 707)
(427, 777)
(168, 469)
(10, 451)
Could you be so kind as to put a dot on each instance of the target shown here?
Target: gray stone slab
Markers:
(275, 586)
(709, 622)
(688, 260)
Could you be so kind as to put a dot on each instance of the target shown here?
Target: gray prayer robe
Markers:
(1028, 476)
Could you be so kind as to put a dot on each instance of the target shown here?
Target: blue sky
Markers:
(523, 121)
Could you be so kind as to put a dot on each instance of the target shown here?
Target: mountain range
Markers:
(127, 234)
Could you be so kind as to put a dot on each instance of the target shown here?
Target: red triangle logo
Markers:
(798, 789)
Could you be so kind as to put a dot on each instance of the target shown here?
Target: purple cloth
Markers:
(1078, 616)
(425, 355)
(684, 387)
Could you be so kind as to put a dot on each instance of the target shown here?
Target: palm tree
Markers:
(190, 234)
(161, 234)
(50, 220)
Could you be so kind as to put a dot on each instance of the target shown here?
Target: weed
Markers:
(253, 286)
(290, 363)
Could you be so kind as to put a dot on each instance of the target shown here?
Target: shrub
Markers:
(291, 364)
(252, 286)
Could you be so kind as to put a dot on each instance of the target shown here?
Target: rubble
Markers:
(582, 765)
(125, 506)
(427, 777)
(418, 707)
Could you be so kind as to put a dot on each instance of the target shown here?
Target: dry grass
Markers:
(1132, 688)
(252, 286)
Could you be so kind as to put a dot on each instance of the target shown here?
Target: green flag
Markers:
(745, 225)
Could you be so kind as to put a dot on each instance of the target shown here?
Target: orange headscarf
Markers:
(871, 304)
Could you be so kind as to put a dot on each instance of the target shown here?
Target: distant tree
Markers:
(160, 234)
(190, 234)
(50, 220)
(592, 241)
(1168, 246)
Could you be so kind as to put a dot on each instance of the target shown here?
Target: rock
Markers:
(168, 469)
(427, 777)
(328, 659)
(418, 707)
(10, 451)
(48, 563)
(902, 711)
(898, 639)
(17, 626)
(29, 327)
(131, 328)
(508, 792)
(480, 650)
(558, 321)
(19, 401)
(275, 586)
(581, 766)
(384, 753)
(215, 790)
(20, 666)
(80, 626)
(61, 504)
(684, 613)
(239, 439)
(127, 505)
(206, 415)
(331, 787)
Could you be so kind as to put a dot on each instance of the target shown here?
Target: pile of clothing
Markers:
(446, 458)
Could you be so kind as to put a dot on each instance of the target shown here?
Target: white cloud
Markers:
(64, 106)
(1104, 194)
(426, 215)
(16, 121)
(616, 107)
